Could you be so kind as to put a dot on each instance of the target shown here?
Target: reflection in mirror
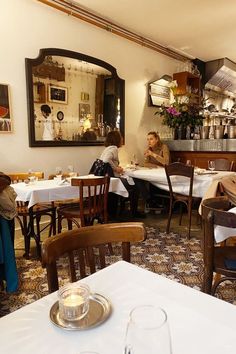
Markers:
(73, 99)
(159, 91)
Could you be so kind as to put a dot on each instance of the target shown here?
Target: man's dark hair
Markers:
(46, 109)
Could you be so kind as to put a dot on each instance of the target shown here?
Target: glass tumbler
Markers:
(73, 301)
(148, 331)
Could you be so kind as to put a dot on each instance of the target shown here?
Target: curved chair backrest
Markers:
(93, 194)
(215, 212)
(179, 169)
(83, 240)
(21, 176)
(224, 165)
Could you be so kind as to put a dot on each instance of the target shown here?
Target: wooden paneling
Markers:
(200, 159)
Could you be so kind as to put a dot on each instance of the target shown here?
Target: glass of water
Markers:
(148, 331)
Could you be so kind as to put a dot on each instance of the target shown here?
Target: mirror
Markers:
(159, 91)
(73, 99)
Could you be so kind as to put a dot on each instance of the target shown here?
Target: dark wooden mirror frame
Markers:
(43, 53)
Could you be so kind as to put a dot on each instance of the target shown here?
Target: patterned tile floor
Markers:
(173, 256)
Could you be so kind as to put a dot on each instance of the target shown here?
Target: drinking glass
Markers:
(73, 301)
(189, 162)
(58, 171)
(147, 331)
(211, 165)
(134, 162)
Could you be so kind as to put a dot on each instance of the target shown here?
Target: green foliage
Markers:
(180, 114)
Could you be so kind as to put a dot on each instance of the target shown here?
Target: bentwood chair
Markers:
(223, 165)
(93, 194)
(28, 216)
(187, 172)
(79, 246)
(218, 258)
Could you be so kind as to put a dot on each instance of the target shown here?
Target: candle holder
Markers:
(73, 301)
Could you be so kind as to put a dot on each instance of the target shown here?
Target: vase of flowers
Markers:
(181, 113)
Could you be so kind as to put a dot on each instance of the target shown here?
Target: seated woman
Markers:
(113, 142)
(157, 154)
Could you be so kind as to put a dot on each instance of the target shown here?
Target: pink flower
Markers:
(173, 111)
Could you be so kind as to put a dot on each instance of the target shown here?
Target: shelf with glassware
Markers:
(188, 85)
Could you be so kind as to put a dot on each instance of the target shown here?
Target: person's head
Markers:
(89, 135)
(153, 139)
(114, 138)
(45, 109)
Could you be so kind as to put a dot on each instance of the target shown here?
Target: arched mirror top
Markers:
(73, 99)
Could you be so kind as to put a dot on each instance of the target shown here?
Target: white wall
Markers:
(27, 26)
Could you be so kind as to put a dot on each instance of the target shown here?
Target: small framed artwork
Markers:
(57, 94)
(84, 96)
(84, 109)
(5, 110)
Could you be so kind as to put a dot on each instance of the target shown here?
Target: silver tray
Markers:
(99, 311)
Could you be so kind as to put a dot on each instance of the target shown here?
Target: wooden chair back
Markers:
(93, 194)
(83, 241)
(21, 176)
(215, 212)
(27, 218)
(180, 169)
(224, 165)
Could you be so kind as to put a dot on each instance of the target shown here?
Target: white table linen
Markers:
(199, 323)
(157, 176)
(221, 233)
(50, 190)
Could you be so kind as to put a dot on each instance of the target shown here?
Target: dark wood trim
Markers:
(200, 158)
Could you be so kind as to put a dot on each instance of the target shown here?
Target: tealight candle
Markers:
(73, 301)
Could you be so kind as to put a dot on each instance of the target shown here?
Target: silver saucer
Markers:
(99, 311)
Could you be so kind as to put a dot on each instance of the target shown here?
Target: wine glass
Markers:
(58, 171)
(147, 331)
(188, 162)
(70, 169)
(211, 165)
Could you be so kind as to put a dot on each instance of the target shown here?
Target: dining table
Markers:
(49, 191)
(205, 182)
(199, 323)
(44, 191)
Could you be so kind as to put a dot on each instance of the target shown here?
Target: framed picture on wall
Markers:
(57, 94)
(84, 110)
(5, 110)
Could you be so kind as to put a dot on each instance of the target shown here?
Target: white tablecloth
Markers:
(50, 190)
(199, 323)
(157, 177)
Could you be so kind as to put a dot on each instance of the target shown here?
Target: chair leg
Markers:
(26, 236)
(59, 223)
(169, 217)
(181, 214)
(189, 219)
(110, 249)
(69, 224)
(37, 236)
(207, 281)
